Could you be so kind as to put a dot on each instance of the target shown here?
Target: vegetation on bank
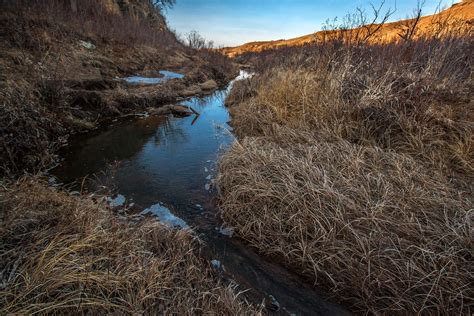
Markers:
(355, 165)
(64, 254)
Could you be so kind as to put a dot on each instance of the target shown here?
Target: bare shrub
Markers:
(26, 130)
(63, 254)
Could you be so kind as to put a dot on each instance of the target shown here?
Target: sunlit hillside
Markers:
(460, 15)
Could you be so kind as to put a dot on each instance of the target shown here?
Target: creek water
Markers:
(164, 166)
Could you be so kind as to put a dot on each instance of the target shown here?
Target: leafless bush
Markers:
(26, 130)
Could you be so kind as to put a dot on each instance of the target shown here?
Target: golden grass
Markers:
(381, 232)
(63, 254)
(355, 165)
(386, 111)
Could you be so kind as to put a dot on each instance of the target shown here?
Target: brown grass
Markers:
(371, 96)
(378, 230)
(63, 254)
(355, 166)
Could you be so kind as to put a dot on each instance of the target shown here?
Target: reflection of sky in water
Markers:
(159, 159)
(167, 75)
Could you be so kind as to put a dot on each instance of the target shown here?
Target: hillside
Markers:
(463, 11)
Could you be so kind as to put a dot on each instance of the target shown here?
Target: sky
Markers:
(235, 22)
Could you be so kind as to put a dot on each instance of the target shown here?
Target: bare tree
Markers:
(195, 40)
(409, 28)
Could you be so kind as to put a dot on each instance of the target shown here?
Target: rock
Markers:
(208, 85)
(190, 91)
(274, 305)
(227, 231)
(217, 264)
(181, 110)
(87, 45)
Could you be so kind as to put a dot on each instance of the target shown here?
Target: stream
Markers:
(165, 166)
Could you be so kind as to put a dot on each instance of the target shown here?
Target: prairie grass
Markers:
(62, 254)
(354, 165)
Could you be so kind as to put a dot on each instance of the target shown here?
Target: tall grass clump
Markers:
(354, 165)
(62, 254)
(413, 98)
(375, 228)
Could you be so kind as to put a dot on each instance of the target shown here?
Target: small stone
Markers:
(273, 306)
(227, 231)
(87, 45)
(208, 85)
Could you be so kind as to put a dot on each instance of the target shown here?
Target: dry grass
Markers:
(63, 254)
(378, 230)
(422, 107)
(26, 131)
(355, 166)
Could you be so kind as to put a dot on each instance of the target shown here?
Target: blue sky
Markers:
(234, 22)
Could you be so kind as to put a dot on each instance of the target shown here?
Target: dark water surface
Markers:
(165, 166)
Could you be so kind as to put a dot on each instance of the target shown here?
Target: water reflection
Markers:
(166, 75)
(156, 159)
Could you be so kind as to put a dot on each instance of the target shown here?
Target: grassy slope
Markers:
(355, 167)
